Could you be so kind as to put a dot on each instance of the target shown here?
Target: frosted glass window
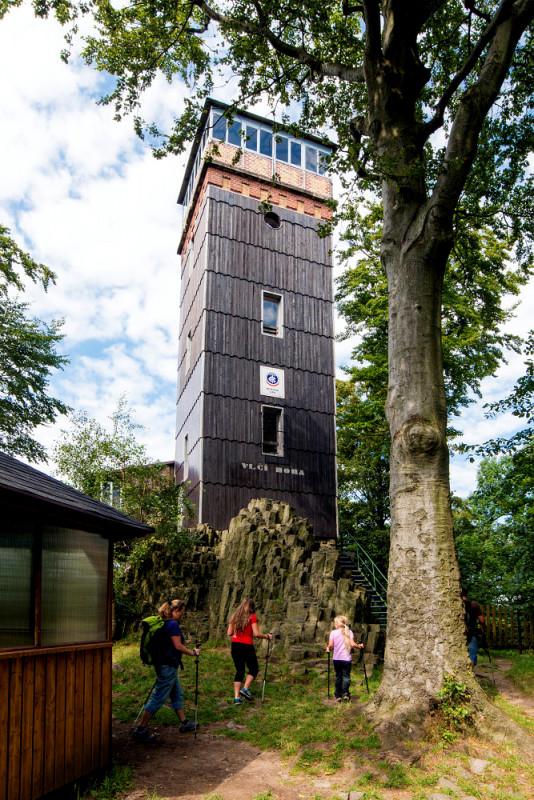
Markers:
(74, 586)
(16, 599)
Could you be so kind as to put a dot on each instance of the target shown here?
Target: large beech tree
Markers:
(427, 102)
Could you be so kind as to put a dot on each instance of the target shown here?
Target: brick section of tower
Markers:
(263, 191)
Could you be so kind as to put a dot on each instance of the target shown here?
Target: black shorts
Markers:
(244, 655)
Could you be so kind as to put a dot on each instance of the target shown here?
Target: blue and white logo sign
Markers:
(272, 382)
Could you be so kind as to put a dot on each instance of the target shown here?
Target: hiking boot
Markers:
(238, 701)
(143, 735)
(246, 693)
(188, 726)
(346, 698)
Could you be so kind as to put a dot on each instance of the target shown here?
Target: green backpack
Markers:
(152, 639)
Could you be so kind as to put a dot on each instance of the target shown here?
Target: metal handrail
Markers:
(373, 573)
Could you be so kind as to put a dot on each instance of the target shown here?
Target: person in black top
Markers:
(166, 663)
(474, 626)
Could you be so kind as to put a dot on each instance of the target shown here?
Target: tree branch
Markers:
(300, 54)
(509, 24)
(436, 122)
(470, 6)
(373, 47)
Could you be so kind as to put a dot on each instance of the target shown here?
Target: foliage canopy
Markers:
(28, 355)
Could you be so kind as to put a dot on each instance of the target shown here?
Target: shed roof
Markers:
(20, 482)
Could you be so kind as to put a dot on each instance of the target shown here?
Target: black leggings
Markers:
(244, 655)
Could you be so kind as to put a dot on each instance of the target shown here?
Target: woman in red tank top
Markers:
(243, 628)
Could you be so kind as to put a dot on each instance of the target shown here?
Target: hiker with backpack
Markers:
(162, 645)
(243, 628)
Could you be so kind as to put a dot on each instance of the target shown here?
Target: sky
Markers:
(84, 195)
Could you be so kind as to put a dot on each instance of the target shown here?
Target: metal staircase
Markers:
(364, 572)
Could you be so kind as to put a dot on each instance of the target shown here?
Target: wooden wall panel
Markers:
(291, 273)
(14, 730)
(224, 502)
(4, 727)
(241, 297)
(39, 727)
(194, 289)
(237, 218)
(234, 377)
(56, 725)
(240, 421)
(105, 724)
(230, 463)
(59, 736)
(71, 727)
(26, 749)
(195, 460)
(236, 336)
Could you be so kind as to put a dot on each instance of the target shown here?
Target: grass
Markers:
(522, 672)
(294, 718)
(317, 737)
(115, 784)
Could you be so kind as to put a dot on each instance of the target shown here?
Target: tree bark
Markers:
(425, 614)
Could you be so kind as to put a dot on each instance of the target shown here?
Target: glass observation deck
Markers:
(249, 145)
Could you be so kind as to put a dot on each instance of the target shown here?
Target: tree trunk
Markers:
(425, 634)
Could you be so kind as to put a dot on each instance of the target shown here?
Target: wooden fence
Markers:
(507, 627)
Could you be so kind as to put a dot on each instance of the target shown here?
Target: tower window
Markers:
(271, 219)
(282, 145)
(296, 154)
(311, 159)
(266, 143)
(234, 133)
(323, 162)
(186, 457)
(219, 128)
(252, 138)
(272, 431)
(187, 358)
(271, 318)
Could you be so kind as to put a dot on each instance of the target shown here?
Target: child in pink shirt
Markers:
(342, 642)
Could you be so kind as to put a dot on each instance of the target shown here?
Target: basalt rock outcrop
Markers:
(268, 553)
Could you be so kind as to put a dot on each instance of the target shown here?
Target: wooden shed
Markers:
(56, 550)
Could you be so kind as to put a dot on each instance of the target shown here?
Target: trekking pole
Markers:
(265, 673)
(365, 670)
(196, 692)
(145, 701)
(328, 651)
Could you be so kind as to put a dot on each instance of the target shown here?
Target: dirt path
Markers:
(497, 672)
(181, 767)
